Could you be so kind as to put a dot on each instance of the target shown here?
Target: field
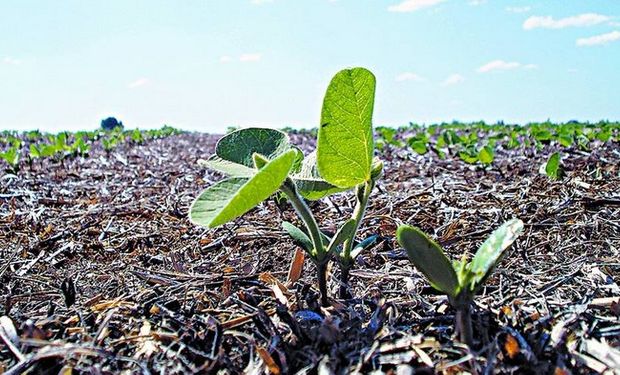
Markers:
(101, 269)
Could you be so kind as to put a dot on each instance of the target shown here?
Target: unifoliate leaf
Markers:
(491, 251)
(240, 145)
(233, 197)
(299, 237)
(227, 167)
(344, 232)
(345, 139)
(552, 168)
(309, 183)
(428, 257)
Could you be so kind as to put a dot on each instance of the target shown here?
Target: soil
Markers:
(102, 272)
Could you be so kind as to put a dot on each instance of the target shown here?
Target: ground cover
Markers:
(100, 266)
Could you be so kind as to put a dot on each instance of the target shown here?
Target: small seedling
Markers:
(553, 168)
(11, 156)
(261, 162)
(459, 280)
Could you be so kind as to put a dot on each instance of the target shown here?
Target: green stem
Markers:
(321, 269)
(320, 257)
(346, 262)
(362, 195)
(306, 216)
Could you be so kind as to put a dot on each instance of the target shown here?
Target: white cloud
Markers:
(504, 65)
(408, 76)
(548, 22)
(137, 83)
(413, 5)
(476, 2)
(225, 59)
(250, 57)
(599, 39)
(523, 9)
(453, 80)
(11, 61)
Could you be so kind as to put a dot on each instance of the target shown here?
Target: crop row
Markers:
(34, 145)
(477, 142)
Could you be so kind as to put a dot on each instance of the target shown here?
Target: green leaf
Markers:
(299, 237)
(468, 157)
(344, 232)
(35, 153)
(240, 145)
(11, 156)
(260, 161)
(491, 251)
(552, 168)
(310, 184)
(233, 197)
(486, 155)
(345, 143)
(428, 257)
(418, 146)
(227, 167)
(47, 151)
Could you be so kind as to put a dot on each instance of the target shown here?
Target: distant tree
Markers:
(111, 123)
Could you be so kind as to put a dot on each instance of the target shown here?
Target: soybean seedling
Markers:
(260, 162)
(459, 280)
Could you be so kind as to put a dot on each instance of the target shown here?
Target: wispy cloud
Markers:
(138, 83)
(413, 5)
(250, 57)
(581, 20)
(475, 3)
(599, 39)
(225, 59)
(523, 9)
(504, 65)
(408, 76)
(11, 61)
(453, 79)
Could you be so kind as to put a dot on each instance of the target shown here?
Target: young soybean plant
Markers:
(460, 280)
(260, 162)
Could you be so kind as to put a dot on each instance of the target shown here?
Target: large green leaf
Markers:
(310, 184)
(428, 257)
(491, 251)
(239, 146)
(345, 143)
(231, 198)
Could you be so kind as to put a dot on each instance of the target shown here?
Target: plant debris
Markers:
(102, 271)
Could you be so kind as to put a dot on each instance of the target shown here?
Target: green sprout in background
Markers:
(459, 280)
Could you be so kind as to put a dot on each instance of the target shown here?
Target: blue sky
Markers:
(205, 65)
